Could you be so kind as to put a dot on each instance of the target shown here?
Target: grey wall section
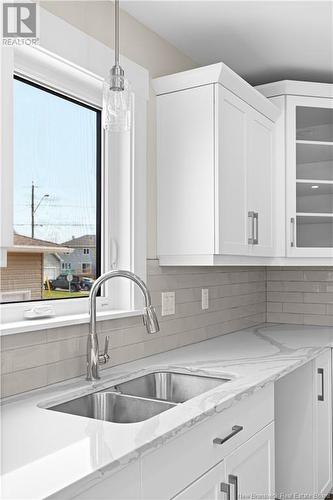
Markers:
(237, 300)
(300, 295)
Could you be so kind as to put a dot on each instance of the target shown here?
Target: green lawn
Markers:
(62, 294)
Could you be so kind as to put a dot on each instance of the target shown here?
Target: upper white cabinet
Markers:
(308, 162)
(215, 161)
(244, 173)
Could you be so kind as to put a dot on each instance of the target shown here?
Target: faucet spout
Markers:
(94, 359)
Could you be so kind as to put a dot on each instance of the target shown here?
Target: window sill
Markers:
(61, 321)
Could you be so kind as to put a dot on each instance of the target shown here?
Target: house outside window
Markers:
(40, 257)
(83, 255)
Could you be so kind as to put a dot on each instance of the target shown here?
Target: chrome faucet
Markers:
(94, 358)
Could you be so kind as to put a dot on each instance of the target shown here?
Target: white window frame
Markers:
(75, 64)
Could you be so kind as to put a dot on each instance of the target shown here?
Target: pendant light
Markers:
(117, 96)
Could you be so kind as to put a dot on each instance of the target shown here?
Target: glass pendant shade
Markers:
(117, 104)
(117, 95)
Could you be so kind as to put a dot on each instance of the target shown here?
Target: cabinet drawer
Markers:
(176, 464)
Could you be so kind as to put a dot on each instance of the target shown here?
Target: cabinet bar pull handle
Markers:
(321, 373)
(234, 481)
(235, 430)
(256, 233)
(225, 488)
(292, 232)
(251, 237)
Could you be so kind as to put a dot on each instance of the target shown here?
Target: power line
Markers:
(62, 225)
(59, 206)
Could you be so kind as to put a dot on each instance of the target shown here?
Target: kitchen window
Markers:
(77, 74)
(57, 193)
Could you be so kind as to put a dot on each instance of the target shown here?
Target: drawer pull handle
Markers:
(321, 373)
(235, 430)
(234, 481)
(225, 488)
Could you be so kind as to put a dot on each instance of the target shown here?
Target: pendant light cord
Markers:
(116, 32)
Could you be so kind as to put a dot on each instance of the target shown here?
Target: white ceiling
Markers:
(262, 41)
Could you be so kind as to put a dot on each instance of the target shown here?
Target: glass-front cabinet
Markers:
(309, 141)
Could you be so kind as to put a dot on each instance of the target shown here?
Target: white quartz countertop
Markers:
(44, 452)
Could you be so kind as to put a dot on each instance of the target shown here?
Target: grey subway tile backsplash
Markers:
(302, 296)
(239, 297)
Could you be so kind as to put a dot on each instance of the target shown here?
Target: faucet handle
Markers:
(104, 358)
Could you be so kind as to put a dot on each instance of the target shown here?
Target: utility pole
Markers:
(32, 210)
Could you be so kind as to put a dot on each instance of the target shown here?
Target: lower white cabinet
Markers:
(303, 438)
(248, 472)
(323, 423)
(250, 469)
(210, 486)
(122, 485)
(170, 468)
(277, 443)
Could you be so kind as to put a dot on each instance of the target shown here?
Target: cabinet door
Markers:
(303, 413)
(260, 164)
(231, 174)
(210, 486)
(323, 423)
(250, 468)
(309, 176)
(185, 177)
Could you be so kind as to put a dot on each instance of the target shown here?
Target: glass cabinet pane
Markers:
(314, 124)
(314, 232)
(314, 161)
(314, 198)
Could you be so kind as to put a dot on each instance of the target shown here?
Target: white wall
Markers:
(142, 46)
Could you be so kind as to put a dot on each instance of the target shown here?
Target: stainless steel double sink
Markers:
(140, 398)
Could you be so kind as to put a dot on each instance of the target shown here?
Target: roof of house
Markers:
(26, 244)
(20, 239)
(85, 241)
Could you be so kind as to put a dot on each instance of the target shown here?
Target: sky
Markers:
(54, 147)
